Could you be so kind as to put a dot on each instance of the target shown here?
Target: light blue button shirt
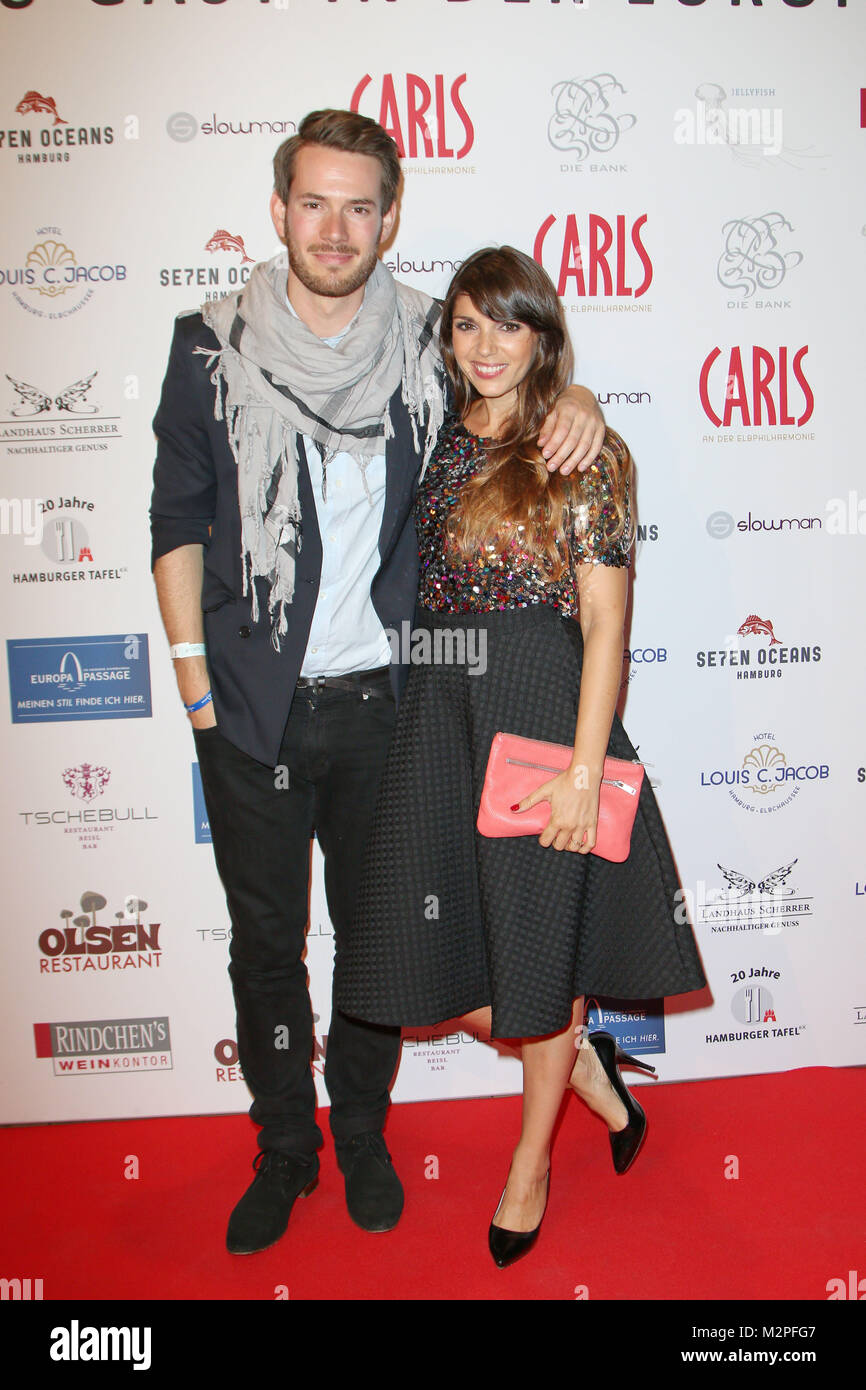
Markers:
(346, 634)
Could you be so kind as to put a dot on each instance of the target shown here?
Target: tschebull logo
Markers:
(86, 781)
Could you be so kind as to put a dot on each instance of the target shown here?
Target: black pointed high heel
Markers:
(508, 1246)
(624, 1143)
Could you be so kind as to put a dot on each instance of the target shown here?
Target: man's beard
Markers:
(332, 284)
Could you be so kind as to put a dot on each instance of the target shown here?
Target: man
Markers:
(294, 421)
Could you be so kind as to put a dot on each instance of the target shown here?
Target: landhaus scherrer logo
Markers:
(756, 653)
(228, 269)
(82, 944)
(106, 1046)
(46, 137)
(52, 281)
(59, 418)
(766, 902)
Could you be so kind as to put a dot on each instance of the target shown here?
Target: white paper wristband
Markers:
(186, 649)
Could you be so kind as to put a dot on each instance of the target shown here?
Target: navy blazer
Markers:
(195, 501)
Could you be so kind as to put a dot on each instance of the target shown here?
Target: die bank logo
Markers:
(595, 256)
(425, 116)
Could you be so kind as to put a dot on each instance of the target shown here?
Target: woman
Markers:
(510, 934)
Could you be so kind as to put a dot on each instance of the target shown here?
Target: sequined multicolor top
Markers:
(493, 580)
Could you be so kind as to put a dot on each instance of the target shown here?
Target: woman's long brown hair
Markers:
(515, 488)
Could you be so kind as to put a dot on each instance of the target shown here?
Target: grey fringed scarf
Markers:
(281, 381)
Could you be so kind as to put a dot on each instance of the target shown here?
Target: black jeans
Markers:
(331, 758)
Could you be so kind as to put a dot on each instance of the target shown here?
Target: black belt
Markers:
(359, 681)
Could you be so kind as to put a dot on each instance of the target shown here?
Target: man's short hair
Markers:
(340, 130)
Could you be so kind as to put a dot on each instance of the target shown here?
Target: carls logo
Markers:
(34, 101)
(224, 241)
(404, 105)
(761, 389)
(598, 259)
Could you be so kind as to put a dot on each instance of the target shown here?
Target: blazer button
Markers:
(243, 632)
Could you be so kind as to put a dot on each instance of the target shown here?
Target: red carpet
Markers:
(674, 1227)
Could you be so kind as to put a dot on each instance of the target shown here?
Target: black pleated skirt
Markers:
(448, 920)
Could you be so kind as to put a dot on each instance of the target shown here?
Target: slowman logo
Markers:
(584, 124)
(182, 127)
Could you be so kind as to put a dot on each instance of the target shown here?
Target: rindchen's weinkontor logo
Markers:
(584, 123)
(595, 257)
(425, 116)
(752, 260)
(755, 385)
(83, 944)
(106, 1046)
(754, 652)
(219, 278)
(51, 282)
(48, 137)
(764, 781)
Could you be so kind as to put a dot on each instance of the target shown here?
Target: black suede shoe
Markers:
(374, 1193)
(262, 1214)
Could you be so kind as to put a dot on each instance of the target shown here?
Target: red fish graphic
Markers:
(224, 241)
(32, 101)
(757, 627)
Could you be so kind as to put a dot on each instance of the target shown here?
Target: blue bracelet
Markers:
(199, 704)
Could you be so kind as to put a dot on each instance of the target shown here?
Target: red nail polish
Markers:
(515, 806)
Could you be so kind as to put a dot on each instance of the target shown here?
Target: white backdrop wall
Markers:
(692, 177)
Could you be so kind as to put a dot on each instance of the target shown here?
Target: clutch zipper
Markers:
(542, 767)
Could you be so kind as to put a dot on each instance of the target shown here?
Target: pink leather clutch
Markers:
(518, 766)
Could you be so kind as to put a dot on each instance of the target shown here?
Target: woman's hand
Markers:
(573, 797)
(573, 432)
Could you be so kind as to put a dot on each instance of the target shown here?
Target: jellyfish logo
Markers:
(582, 120)
(751, 259)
